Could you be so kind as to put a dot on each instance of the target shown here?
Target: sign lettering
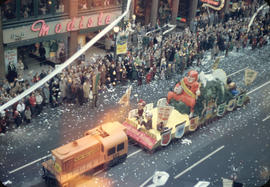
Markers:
(72, 25)
(43, 30)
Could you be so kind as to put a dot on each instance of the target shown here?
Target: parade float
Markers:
(197, 99)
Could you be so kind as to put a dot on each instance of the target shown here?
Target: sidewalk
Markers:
(34, 65)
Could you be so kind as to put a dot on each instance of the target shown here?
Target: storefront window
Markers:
(91, 4)
(9, 10)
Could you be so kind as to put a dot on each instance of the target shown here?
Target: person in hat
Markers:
(141, 105)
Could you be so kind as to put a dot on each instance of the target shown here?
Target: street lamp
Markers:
(116, 30)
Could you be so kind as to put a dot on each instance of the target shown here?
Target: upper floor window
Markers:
(24, 9)
(92, 4)
(50, 7)
(9, 10)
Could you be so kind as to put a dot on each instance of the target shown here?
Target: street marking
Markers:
(266, 118)
(197, 163)
(237, 72)
(159, 179)
(33, 162)
(134, 153)
(258, 88)
(145, 182)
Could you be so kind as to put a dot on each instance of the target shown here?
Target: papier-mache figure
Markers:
(148, 123)
(232, 87)
(186, 91)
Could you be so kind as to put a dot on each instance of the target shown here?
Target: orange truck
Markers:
(99, 148)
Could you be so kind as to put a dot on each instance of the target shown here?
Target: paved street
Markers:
(241, 139)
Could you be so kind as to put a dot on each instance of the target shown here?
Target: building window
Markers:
(9, 10)
(59, 6)
(92, 4)
(26, 8)
(83, 5)
(120, 147)
(45, 7)
(111, 151)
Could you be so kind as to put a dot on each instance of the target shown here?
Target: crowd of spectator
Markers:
(150, 57)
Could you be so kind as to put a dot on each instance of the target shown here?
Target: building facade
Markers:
(55, 25)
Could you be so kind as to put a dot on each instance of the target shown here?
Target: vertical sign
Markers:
(121, 43)
(164, 114)
(10, 56)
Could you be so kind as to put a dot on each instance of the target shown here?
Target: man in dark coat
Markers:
(42, 53)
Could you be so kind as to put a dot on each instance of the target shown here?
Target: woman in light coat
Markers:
(86, 89)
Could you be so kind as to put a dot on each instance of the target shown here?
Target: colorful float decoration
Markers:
(196, 100)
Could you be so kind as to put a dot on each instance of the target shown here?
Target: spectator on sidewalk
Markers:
(21, 108)
(46, 94)
(86, 90)
(28, 114)
(42, 53)
(95, 86)
(33, 103)
(17, 118)
(39, 101)
(20, 70)
(3, 122)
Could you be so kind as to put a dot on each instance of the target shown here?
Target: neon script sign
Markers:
(72, 25)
